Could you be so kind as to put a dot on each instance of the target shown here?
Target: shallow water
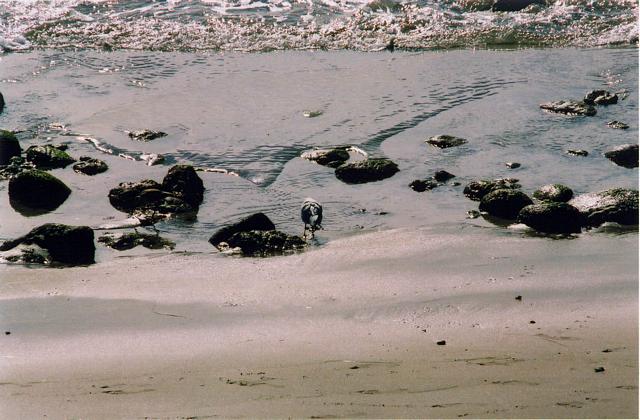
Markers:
(245, 113)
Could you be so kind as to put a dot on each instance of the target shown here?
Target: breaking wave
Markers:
(265, 25)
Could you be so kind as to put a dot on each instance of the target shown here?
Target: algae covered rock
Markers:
(504, 203)
(444, 141)
(600, 97)
(618, 205)
(34, 192)
(257, 221)
(9, 147)
(554, 192)
(68, 245)
(475, 190)
(625, 155)
(90, 166)
(570, 108)
(180, 193)
(368, 170)
(183, 182)
(551, 217)
(48, 157)
(263, 243)
(133, 239)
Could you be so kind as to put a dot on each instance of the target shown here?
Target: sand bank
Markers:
(346, 330)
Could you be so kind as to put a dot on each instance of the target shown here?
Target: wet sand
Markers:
(346, 330)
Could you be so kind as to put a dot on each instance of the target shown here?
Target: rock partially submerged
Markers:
(444, 141)
(33, 192)
(48, 157)
(475, 190)
(554, 192)
(9, 147)
(618, 205)
(570, 108)
(577, 152)
(145, 135)
(421, 185)
(90, 166)
(504, 203)
(328, 157)
(265, 243)
(181, 192)
(16, 165)
(443, 176)
(368, 170)
(514, 5)
(600, 97)
(625, 155)
(617, 125)
(551, 217)
(67, 245)
(131, 240)
(258, 221)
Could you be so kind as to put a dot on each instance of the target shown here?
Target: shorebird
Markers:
(311, 214)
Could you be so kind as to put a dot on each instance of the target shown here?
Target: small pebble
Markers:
(599, 369)
(518, 297)
(441, 343)
(7, 333)
(532, 322)
(512, 165)
(606, 351)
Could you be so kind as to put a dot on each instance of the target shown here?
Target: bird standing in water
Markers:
(311, 214)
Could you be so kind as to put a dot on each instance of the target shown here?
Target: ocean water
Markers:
(75, 69)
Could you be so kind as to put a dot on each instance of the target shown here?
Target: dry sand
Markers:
(347, 330)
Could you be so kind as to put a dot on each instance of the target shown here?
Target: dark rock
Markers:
(554, 192)
(599, 369)
(146, 135)
(33, 192)
(328, 157)
(475, 190)
(551, 217)
(263, 243)
(384, 5)
(16, 165)
(1, 103)
(132, 240)
(128, 196)
(258, 221)
(513, 165)
(48, 157)
(514, 5)
(181, 193)
(504, 203)
(519, 297)
(368, 170)
(183, 182)
(473, 214)
(69, 245)
(617, 205)
(618, 125)
(90, 166)
(570, 108)
(624, 155)
(577, 152)
(444, 141)
(600, 97)
(441, 342)
(421, 185)
(9, 147)
(443, 176)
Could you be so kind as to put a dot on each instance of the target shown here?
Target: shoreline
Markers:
(345, 330)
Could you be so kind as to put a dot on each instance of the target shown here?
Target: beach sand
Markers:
(349, 329)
